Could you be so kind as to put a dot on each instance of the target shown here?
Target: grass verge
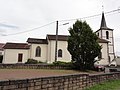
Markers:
(109, 85)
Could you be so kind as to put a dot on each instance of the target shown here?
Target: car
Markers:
(99, 67)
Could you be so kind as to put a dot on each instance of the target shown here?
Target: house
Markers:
(44, 49)
(38, 49)
(15, 52)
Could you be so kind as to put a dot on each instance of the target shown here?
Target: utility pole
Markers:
(56, 41)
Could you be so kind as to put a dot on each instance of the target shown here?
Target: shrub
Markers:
(62, 63)
(31, 61)
(40, 62)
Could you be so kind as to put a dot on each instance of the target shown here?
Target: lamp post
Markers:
(56, 44)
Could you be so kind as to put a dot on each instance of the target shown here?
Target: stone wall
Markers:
(33, 66)
(67, 82)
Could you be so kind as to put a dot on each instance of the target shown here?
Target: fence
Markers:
(67, 82)
(33, 66)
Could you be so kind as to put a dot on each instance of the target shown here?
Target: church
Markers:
(44, 49)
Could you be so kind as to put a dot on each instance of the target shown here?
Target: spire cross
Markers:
(102, 8)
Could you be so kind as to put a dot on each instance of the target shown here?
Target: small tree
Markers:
(83, 46)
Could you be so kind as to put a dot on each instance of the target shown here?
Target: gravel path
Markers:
(10, 74)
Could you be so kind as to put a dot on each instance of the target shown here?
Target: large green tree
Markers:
(83, 46)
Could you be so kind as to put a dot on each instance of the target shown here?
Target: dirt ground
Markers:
(12, 74)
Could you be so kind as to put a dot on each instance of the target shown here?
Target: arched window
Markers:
(109, 58)
(38, 52)
(98, 34)
(107, 35)
(59, 53)
(100, 55)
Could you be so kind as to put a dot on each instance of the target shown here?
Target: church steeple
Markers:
(103, 22)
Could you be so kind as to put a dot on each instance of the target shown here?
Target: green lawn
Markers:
(109, 85)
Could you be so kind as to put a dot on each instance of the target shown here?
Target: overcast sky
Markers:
(21, 15)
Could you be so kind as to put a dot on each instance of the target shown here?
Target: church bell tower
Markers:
(106, 33)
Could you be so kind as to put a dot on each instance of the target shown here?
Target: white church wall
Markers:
(111, 56)
(11, 55)
(51, 51)
(110, 39)
(104, 60)
(66, 57)
(98, 33)
(104, 33)
(111, 49)
(110, 44)
(44, 52)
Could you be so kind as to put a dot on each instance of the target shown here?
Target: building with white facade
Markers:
(106, 33)
(44, 49)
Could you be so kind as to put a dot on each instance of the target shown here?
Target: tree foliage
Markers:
(83, 45)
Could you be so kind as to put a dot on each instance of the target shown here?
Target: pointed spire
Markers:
(103, 22)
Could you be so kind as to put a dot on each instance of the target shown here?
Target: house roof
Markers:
(65, 38)
(40, 41)
(102, 40)
(16, 46)
(60, 37)
(1, 46)
(37, 41)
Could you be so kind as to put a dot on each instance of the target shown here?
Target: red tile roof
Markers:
(37, 41)
(65, 38)
(102, 40)
(40, 41)
(16, 46)
(60, 37)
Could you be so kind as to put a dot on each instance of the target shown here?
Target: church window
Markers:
(109, 58)
(38, 52)
(107, 35)
(100, 55)
(98, 34)
(59, 53)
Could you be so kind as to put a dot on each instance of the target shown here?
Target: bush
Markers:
(31, 61)
(40, 62)
(62, 63)
(1, 58)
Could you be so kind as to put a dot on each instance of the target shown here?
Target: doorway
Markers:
(20, 57)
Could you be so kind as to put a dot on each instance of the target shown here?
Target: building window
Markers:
(109, 59)
(98, 34)
(107, 35)
(20, 57)
(38, 52)
(59, 53)
(100, 55)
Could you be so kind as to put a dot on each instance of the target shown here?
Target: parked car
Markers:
(99, 67)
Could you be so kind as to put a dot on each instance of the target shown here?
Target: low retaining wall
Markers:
(67, 82)
(32, 66)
